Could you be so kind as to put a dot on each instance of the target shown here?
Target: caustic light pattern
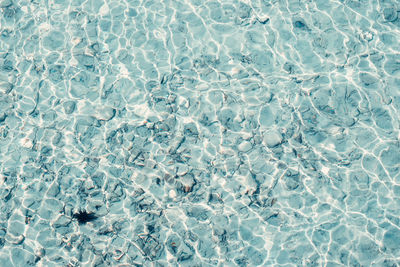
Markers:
(199, 133)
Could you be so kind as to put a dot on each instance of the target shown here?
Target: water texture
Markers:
(199, 133)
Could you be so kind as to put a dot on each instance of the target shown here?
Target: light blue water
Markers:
(200, 133)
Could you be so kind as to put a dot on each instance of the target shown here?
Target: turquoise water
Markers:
(199, 133)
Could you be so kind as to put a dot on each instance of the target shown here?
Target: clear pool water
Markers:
(199, 133)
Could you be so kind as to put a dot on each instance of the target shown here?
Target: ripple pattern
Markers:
(199, 133)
